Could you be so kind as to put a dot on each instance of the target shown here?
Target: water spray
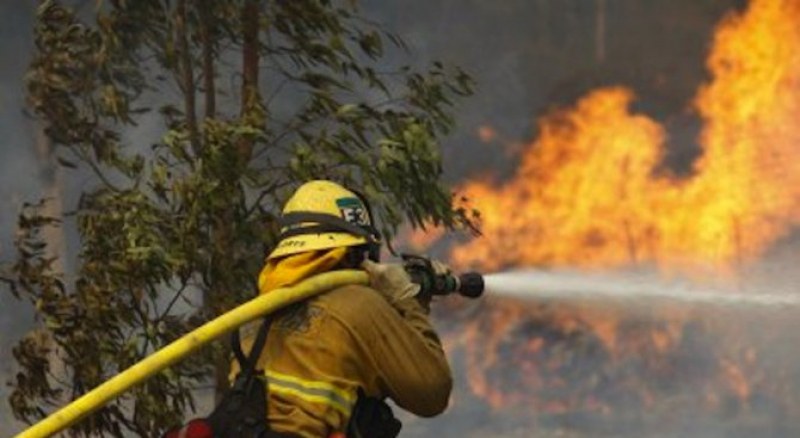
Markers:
(577, 286)
(622, 288)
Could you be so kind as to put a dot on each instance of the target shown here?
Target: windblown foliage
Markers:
(252, 97)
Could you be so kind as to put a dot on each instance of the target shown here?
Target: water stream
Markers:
(626, 289)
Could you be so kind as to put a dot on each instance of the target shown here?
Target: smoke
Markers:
(17, 157)
(19, 180)
(526, 56)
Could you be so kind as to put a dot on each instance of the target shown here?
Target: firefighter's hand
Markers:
(391, 280)
(439, 268)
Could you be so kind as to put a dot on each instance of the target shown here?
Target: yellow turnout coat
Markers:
(320, 352)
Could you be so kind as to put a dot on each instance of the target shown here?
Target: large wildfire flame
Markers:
(591, 192)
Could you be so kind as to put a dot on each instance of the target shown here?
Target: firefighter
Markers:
(330, 362)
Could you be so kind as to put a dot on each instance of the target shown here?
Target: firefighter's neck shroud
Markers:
(290, 270)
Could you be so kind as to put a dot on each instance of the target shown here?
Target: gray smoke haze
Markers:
(19, 181)
(526, 56)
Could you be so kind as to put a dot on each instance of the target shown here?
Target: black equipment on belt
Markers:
(372, 418)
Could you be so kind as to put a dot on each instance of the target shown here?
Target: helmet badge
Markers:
(353, 211)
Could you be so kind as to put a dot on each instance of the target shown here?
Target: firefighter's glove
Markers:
(391, 280)
(440, 269)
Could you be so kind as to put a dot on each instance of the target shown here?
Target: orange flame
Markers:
(589, 191)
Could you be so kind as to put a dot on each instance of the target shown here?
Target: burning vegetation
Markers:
(591, 192)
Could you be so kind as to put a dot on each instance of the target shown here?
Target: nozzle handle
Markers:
(469, 284)
(420, 269)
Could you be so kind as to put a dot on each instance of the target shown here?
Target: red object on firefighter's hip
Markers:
(197, 428)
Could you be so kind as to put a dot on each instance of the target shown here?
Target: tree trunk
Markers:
(223, 228)
(250, 61)
(186, 78)
(207, 33)
(53, 180)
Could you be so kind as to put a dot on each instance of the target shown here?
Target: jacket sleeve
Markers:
(411, 364)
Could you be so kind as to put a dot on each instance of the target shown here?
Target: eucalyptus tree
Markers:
(195, 119)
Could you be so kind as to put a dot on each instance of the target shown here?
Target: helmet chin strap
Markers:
(374, 245)
(374, 252)
(328, 223)
(357, 254)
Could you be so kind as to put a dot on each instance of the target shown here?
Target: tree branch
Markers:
(250, 60)
(207, 33)
(186, 77)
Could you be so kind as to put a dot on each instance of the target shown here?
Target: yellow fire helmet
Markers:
(323, 215)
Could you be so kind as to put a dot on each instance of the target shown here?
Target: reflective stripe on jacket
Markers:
(321, 351)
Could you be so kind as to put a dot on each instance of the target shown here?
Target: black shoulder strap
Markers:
(240, 413)
(248, 363)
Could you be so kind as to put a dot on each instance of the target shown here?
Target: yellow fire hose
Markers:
(151, 365)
